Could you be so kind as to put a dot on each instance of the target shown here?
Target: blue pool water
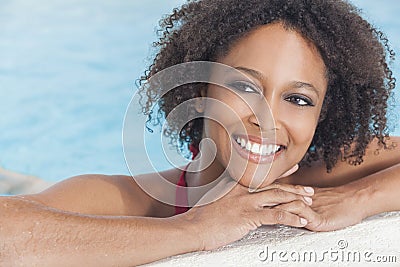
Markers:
(67, 74)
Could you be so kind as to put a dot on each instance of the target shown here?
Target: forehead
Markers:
(278, 53)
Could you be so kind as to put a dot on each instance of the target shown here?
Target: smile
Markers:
(257, 150)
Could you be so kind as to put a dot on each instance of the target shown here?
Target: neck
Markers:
(203, 171)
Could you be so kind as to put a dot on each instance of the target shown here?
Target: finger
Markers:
(291, 171)
(277, 196)
(296, 189)
(279, 216)
(300, 209)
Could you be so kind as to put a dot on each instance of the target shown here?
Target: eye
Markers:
(300, 100)
(243, 86)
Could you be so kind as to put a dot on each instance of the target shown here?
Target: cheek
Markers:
(225, 105)
(219, 135)
(302, 130)
(224, 113)
(300, 124)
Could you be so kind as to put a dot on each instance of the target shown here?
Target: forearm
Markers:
(379, 191)
(35, 235)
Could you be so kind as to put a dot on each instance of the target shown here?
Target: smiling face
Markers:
(283, 69)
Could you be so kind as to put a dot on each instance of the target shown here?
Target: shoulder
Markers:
(102, 195)
(375, 159)
(91, 194)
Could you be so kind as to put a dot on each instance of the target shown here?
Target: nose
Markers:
(265, 116)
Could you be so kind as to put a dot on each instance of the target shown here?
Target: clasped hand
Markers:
(331, 209)
(235, 213)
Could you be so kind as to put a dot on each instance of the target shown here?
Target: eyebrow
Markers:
(295, 84)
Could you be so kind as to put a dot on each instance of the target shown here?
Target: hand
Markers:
(236, 213)
(332, 208)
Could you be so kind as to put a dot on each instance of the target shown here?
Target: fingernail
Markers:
(309, 189)
(303, 221)
(308, 200)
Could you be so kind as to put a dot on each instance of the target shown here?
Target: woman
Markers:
(321, 68)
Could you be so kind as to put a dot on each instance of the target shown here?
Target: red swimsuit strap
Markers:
(182, 202)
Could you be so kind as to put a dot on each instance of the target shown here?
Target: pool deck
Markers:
(12, 183)
(375, 239)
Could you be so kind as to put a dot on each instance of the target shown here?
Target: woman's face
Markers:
(287, 71)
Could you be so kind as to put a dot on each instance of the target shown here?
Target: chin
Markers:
(247, 182)
(261, 180)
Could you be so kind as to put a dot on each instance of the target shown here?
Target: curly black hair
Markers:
(355, 53)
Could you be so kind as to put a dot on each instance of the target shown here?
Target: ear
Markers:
(203, 91)
(199, 102)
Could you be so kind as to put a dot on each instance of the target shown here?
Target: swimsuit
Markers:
(182, 203)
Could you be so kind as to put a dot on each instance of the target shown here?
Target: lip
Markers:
(256, 158)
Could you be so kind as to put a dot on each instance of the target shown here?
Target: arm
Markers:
(90, 220)
(382, 189)
(344, 204)
(94, 194)
(33, 234)
(343, 173)
(51, 229)
(337, 207)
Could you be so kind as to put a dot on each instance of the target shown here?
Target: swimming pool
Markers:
(67, 74)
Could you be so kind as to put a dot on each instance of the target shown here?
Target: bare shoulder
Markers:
(101, 195)
(375, 159)
(93, 194)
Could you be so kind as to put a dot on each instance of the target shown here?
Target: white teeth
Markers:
(263, 150)
(248, 145)
(243, 142)
(267, 149)
(257, 148)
